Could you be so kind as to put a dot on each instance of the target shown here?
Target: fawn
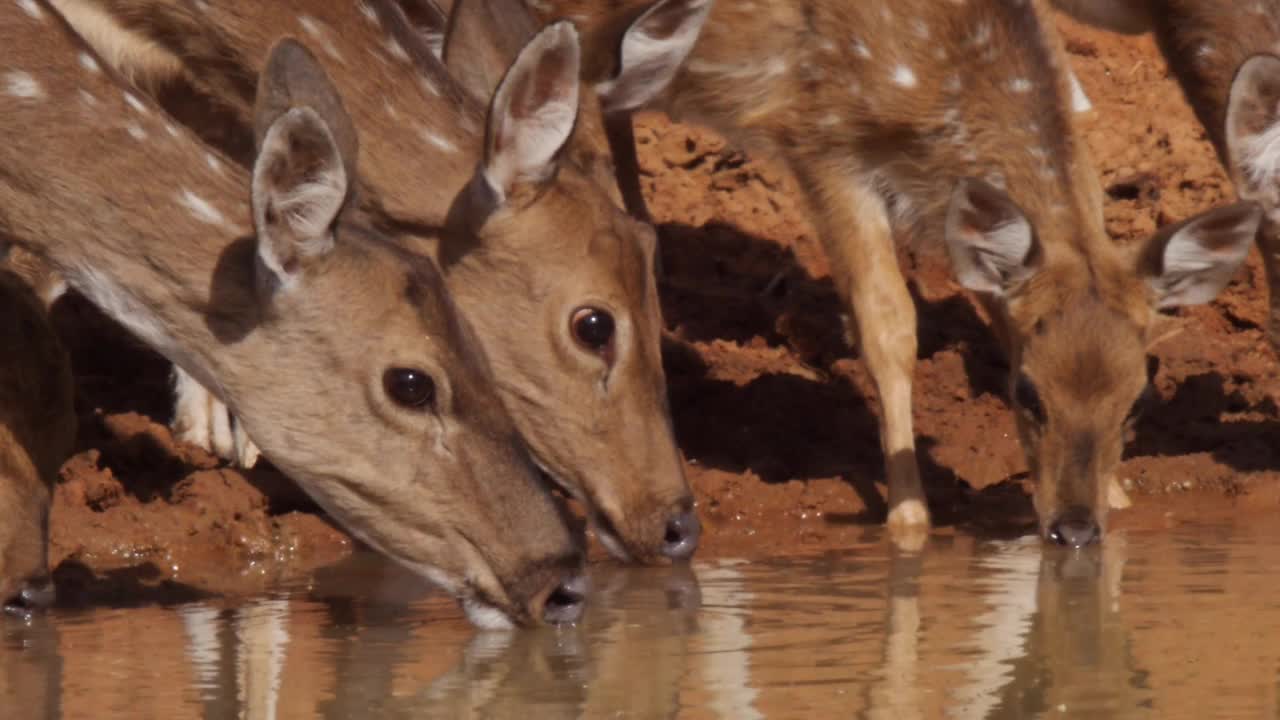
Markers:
(1226, 56)
(342, 353)
(37, 430)
(949, 124)
(555, 278)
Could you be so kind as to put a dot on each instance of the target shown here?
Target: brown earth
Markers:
(773, 410)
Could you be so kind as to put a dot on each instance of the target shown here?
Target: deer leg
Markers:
(854, 223)
(246, 452)
(626, 162)
(199, 418)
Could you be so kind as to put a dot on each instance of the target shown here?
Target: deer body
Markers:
(948, 125)
(292, 307)
(1226, 57)
(528, 262)
(37, 430)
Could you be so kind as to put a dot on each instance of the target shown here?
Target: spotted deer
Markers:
(555, 278)
(37, 430)
(1226, 56)
(342, 353)
(948, 125)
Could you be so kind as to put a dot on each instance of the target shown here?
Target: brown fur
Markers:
(518, 273)
(37, 430)
(881, 110)
(155, 229)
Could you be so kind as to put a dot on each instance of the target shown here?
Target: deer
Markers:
(556, 279)
(274, 290)
(950, 126)
(1226, 57)
(37, 433)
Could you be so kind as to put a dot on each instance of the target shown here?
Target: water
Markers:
(1170, 623)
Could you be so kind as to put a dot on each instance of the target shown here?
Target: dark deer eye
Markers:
(1026, 397)
(410, 388)
(593, 328)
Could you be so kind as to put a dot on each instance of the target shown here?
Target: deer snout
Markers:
(33, 594)
(1076, 527)
(682, 534)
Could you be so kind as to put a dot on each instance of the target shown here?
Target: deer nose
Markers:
(35, 594)
(567, 600)
(1075, 528)
(681, 537)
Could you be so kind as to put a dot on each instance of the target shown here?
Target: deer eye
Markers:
(409, 387)
(1026, 397)
(593, 328)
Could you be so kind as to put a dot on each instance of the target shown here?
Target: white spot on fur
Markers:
(1080, 102)
(22, 85)
(310, 26)
(997, 179)
(904, 76)
(369, 13)
(775, 67)
(31, 8)
(396, 50)
(1020, 85)
(829, 120)
(213, 162)
(437, 140)
(886, 13)
(87, 98)
(89, 63)
(200, 208)
(317, 30)
(136, 132)
(920, 28)
(952, 83)
(427, 85)
(392, 112)
(133, 102)
(855, 87)
(169, 128)
(860, 49)
(981, 34)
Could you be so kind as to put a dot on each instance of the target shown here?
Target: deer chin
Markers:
(486, 616)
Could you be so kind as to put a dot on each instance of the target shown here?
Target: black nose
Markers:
(1075, 528)
(566, 602)
(682, 534)
(36, 594)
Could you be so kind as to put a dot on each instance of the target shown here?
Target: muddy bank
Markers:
(772, 407)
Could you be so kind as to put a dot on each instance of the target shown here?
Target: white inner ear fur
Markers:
(1259, 156)
(527, 146)
(648, 63)
(1198, 265)
(992, 260)
(309, 206)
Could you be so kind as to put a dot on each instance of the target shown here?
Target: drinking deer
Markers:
(341, 352)
(1226, 56)
(555, 278)
(37, 430)
(948, 124)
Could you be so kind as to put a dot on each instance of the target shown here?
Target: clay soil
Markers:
(773, 409)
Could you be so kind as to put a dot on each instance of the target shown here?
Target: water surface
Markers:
(1168, 623)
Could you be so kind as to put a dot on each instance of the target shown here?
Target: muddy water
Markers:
(1172, 623)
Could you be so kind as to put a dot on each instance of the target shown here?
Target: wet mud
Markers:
(773, 409)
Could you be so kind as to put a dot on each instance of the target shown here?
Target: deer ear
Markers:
(992, 245)
(299, 187)
(651, 50)
(533, 111)
(303, 171)
(429, 22)
(1253, 131)
(1191, 262)
(293, 78)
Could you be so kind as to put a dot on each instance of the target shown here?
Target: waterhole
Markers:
(1166, 623)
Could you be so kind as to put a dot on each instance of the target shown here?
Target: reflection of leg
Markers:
(854, 223)
(726, 644)
(262, 635)
(897, 695)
